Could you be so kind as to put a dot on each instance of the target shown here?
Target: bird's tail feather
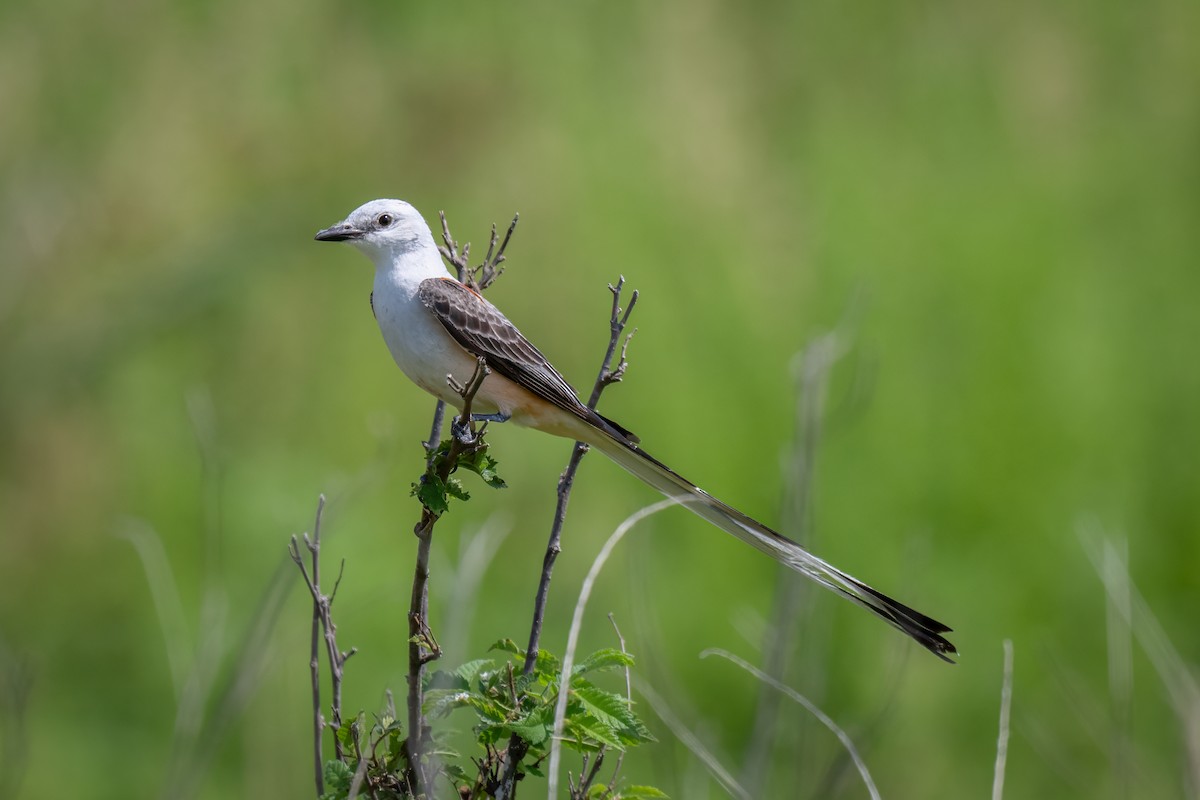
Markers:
(925, 630)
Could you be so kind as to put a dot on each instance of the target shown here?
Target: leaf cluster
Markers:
(504, 703)
(439, 483)
(374, 757)
(507, 703)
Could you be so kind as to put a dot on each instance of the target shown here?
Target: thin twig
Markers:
(323, 606)
(435, 432)
(484, 275)
(606, 376)
(314, 663)
(1005, 707)
(586, 783)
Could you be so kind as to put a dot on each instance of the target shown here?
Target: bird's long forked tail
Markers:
(925, 630)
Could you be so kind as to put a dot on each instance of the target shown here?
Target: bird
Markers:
(436, 326)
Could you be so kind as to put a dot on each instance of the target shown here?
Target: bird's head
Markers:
(382, 229)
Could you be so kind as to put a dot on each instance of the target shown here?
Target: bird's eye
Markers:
(384, 220)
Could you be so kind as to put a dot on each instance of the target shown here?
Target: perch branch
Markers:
(422, 647)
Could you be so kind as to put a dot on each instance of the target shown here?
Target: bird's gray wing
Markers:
(482, 330)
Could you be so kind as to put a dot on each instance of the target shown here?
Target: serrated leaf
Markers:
(611, 709)
(440, 702)
(548, 664)
(455, 488)
(642, 793)
(345, 734)
(338, 777)
(432, 493)
(441, 679)
(586, 733)
(533, 728)
(456, 772)
(507, 646)
(468, 671)
(601, 660)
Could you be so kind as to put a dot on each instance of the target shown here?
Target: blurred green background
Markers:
(995, 205)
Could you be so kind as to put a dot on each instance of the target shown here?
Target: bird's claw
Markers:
(462, 432)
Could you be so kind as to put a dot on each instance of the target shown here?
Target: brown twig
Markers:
(322, 622)
(435, 431)
(607, 376)
(484, 275)
(566, 482)
(422, 647)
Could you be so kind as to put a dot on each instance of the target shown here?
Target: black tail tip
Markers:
(936, 644)
(927, 631)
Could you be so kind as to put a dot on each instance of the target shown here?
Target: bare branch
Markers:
(451, 252)
(485, 274)
(617, 322)
(322, 623)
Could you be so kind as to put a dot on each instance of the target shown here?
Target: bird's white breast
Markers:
(421, 347)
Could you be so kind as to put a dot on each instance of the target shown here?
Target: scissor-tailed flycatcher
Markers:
(436, 326)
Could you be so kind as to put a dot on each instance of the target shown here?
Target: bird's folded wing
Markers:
(482, 330)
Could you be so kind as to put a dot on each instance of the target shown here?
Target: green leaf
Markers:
(585, 734)
(345, 734)
(641, 793)
(611, 709)
(338, 777)
(456, 772)
(507, 646)
(482, 465)
(455, 488)
(440, 702)
(432, 494)
(468, 671)
(441, 679)
(534, 727)
(616, 709)
(602, 660)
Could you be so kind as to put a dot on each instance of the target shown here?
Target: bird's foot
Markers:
(462, 432)
(497, 417)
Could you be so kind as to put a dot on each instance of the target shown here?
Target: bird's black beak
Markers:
(342, 232)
